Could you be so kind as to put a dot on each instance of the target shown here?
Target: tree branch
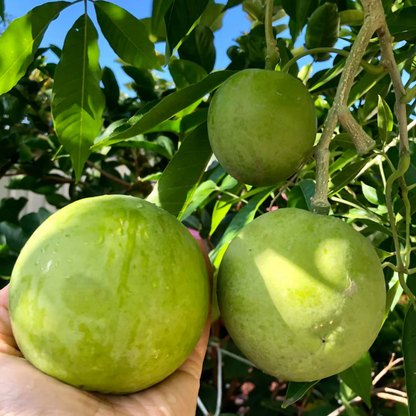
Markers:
(362, 141)
(272, 56)
(372, 21)
(108, 175)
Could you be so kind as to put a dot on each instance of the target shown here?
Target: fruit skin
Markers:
(261, 126)
(110, 294)
(302, 295)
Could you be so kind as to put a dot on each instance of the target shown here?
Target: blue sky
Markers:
(234, 24)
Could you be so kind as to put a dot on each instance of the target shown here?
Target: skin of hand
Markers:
(26, 391)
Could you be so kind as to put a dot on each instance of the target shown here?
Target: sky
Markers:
(235, 23)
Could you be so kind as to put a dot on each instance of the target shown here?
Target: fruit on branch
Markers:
(261, 126)
(110, 294)
(302, 295)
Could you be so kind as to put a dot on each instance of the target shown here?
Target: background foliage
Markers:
(66, 132)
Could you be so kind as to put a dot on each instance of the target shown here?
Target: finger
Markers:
(8, 344)
(5, 325)
(4, 297)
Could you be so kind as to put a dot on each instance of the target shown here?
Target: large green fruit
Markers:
(302, 295)
(110, 294)
(261, 126)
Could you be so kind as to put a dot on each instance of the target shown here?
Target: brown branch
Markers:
(388, 61)
(108, 175)
(381, 393)
(372, 21)
(385, 370)
(387, 396)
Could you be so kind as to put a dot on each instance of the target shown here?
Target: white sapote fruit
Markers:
(302, 295)
(110, 294)
(261, 126)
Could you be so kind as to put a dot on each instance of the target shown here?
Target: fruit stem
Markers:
(376, 70)
(404, 164)
(374, 19)
(219, 382)
(272, 57)
(362, 141)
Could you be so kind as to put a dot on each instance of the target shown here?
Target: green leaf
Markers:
(111, 89)
(372, 225)
(392, 298)
(301, 194)
(346, 395)
(221, 209)
(57, 51)
(10, 209)
(163, 145)
(323, 29)
(384, 121)
(186, 73)
(371, 99)
(127, 35)
(144, 83)
(371, 194)
(159, 9)
(200, 195)
(296, 391)
(21, 39)
(184, 172)
(409, 347)
(241, 219)
(212, 16)
(299, 11)
(366, 82)
(402, 24)
(31, 222)
(193, 120)
(286, 56)
(15, 237)
(180, 19)
(346, 176)
(342, 161)
(199, 47)
(2, 10)
(232, 3)
(168, 107)
(358, 378)
(328, 75)
(77, 99)
(351, 17)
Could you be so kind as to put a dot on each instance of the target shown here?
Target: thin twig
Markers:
(342, 408)
(202, 407)
(395, 391)
(272, 56)
(393, 397)
(108, 175)
(381, 393)
(219, 382)
(372, 21)
(386, 369)
(375, 70)
(292, 179)
(236, 357)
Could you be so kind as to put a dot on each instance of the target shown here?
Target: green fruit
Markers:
(302, 295)
(110, 294)
(261, 126)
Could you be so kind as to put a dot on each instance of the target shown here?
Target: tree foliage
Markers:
(66, 132)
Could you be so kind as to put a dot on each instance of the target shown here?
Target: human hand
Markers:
(26, 391)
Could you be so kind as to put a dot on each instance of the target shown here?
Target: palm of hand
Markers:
(25, 391)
